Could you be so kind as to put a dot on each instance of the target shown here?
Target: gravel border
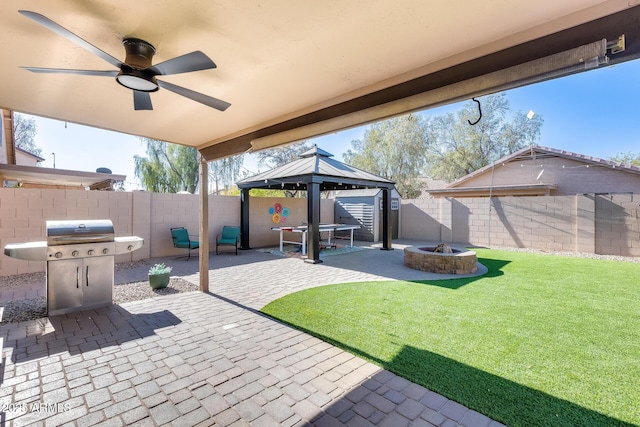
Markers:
(23, 279)
(568, 254)
(138, 291)
(35, 308)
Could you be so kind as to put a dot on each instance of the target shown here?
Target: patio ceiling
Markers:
(289, 69)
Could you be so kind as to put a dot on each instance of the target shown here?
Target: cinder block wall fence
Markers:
(593, 223)
(24, 212)
(601, 224)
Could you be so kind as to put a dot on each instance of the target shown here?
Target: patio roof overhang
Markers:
(339, 68)
(35, 176)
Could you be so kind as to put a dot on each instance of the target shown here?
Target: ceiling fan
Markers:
(136, 72)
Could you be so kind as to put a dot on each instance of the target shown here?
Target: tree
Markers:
(459, 148)
(627, 158)
(279, 156)
(274, 157)
(393, 149)
(169, 168)
(24, 131)
(224, 172)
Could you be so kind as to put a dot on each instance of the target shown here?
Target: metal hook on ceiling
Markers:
(479, 110)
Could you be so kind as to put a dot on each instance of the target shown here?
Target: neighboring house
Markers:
(19, 168)
(543, 171)
(25, 158)
(429, 184)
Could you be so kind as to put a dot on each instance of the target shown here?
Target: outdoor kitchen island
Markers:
(80, 258)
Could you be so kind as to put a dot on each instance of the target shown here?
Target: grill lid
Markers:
(79, 231)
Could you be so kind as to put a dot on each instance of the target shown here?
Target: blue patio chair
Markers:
(180, 237)
(230, 237)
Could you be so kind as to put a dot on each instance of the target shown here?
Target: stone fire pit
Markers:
(456, 262)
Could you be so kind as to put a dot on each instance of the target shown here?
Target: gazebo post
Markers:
(387, 245)
(244, 219)
(313, 223)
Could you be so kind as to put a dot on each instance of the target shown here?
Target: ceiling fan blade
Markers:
(196, 96)
(141, 100)
(58, 29)
(194, 61)
(68, 71)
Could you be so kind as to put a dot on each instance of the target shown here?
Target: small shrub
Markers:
(159, 269)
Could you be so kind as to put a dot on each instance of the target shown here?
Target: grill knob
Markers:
(58, 255)
(130, 247)
(91, 252)
(75, 253)
(105, 251)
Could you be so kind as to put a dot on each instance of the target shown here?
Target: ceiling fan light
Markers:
(135, 82)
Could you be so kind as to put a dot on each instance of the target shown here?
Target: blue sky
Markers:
(592, 113)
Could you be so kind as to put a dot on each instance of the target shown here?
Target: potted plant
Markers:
(159, 276)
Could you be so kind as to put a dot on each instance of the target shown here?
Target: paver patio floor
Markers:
(211, 358)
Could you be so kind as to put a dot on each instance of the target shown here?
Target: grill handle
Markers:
(81, 238)
(87, 275)
(77, 277)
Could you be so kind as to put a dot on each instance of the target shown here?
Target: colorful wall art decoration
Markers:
(278, 213)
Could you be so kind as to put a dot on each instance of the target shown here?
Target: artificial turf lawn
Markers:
(538, 340)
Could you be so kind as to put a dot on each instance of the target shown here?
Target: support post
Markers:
(387, 245)
(204, 225)
(313, 221)
(244, 219)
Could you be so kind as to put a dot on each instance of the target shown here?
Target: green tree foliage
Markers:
(24, 131)
(279, 156)
(627, 158)
(168, 168)
(394, 149)
(224, 172)
(458, 148)
(274, 157)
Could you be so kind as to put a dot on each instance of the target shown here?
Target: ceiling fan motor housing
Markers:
(139, 53)
(134, 73)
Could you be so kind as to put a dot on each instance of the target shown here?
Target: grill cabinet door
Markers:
(98, 281)
(64, 286)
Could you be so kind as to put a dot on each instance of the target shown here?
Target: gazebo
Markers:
(315, 171)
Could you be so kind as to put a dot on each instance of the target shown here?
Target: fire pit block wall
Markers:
(460, 262)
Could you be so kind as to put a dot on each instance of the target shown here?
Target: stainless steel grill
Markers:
(80, 259)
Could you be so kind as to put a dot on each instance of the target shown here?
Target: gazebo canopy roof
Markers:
(315, 165)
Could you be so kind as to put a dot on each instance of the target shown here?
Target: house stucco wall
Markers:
(571, 176)
(24, 159)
